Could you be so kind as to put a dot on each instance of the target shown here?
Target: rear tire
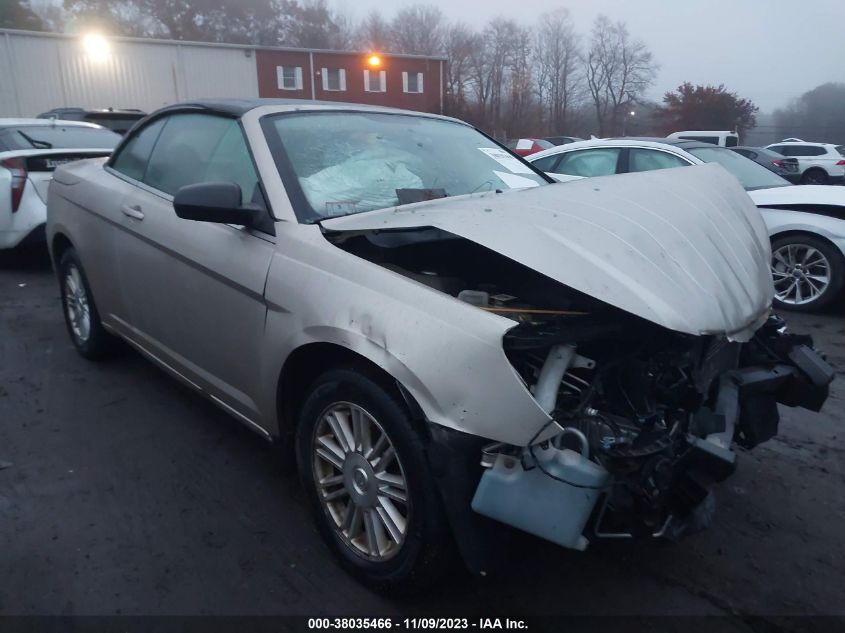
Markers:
(815, 176)
(799, 264)
(354, 418)
(81, 316)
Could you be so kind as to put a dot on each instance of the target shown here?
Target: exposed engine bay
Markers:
(642, 418)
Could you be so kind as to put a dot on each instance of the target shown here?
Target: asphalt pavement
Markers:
(122, 492)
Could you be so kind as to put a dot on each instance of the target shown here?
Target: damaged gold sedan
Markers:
(452, 345)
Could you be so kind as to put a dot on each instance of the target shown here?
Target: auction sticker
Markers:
(507, 160)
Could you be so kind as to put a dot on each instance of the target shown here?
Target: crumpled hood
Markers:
(685, 248)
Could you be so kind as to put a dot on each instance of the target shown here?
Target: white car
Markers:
(820, 163)
(721, 138)
(806, 223)
(30, 149)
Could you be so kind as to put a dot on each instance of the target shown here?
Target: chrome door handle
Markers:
(132, 211)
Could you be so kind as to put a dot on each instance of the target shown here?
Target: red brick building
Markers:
(400, 81)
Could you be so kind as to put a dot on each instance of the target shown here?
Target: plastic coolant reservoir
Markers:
(534, 502)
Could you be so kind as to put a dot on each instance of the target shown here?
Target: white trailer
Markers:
(42, 71)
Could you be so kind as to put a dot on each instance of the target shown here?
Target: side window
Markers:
(791, 150)
(547, 163)
(186, 149)
(780, 149)
(231, 162)
(132, 158)
(589, 162)
(815, 151)
(731, 141)
(649, 160)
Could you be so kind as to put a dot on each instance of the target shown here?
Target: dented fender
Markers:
(446, 353)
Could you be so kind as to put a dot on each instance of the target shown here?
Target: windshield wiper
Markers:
(35, 142)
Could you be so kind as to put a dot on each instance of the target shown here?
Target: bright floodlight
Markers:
(96, 46)
(374, 61)
(632, 113)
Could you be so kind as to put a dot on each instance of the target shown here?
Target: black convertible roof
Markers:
(239, 107)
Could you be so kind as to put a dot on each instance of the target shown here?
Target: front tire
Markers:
(363, 466)
(81, 316)
(808, 273)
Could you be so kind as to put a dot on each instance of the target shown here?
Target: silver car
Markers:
(451, 345)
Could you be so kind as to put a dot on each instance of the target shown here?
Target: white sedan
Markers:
(30, 149)
(806, 224)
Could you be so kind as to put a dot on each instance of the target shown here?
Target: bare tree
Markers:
(418, 30)
(374, 33)
(345, 34)
(460, 45)
(559, 63)
(619, 69)
(520, 82)
(491, 65)
(53, 16)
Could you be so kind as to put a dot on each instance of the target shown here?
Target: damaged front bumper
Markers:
(575, 487)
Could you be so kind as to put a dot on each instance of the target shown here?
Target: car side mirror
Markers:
(213, 202)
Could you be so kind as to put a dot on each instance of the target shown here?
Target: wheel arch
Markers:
(308, 361)
(59, 244)
(815, 168)
(804, 232)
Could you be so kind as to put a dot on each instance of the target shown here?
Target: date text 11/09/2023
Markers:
(435, 624)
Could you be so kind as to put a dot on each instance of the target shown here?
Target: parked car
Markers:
(722, 139)
(119, 121)
(786, 168)
(806, 224)
(30, 150)
(526, 146)
(401, 300)
(819, 163)
(562, 140)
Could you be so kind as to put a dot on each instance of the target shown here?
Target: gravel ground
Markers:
(125, 493)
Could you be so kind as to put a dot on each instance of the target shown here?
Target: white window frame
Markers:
(280, 78)
(382, 81)
(341, 79)
(419, 90)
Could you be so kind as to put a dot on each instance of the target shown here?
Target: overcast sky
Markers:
(767, 50)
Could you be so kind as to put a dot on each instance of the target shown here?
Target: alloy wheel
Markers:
(360, 481)
(801, 273)
(76, 304)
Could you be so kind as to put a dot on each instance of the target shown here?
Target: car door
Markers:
(195, 289)
(100, 239)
